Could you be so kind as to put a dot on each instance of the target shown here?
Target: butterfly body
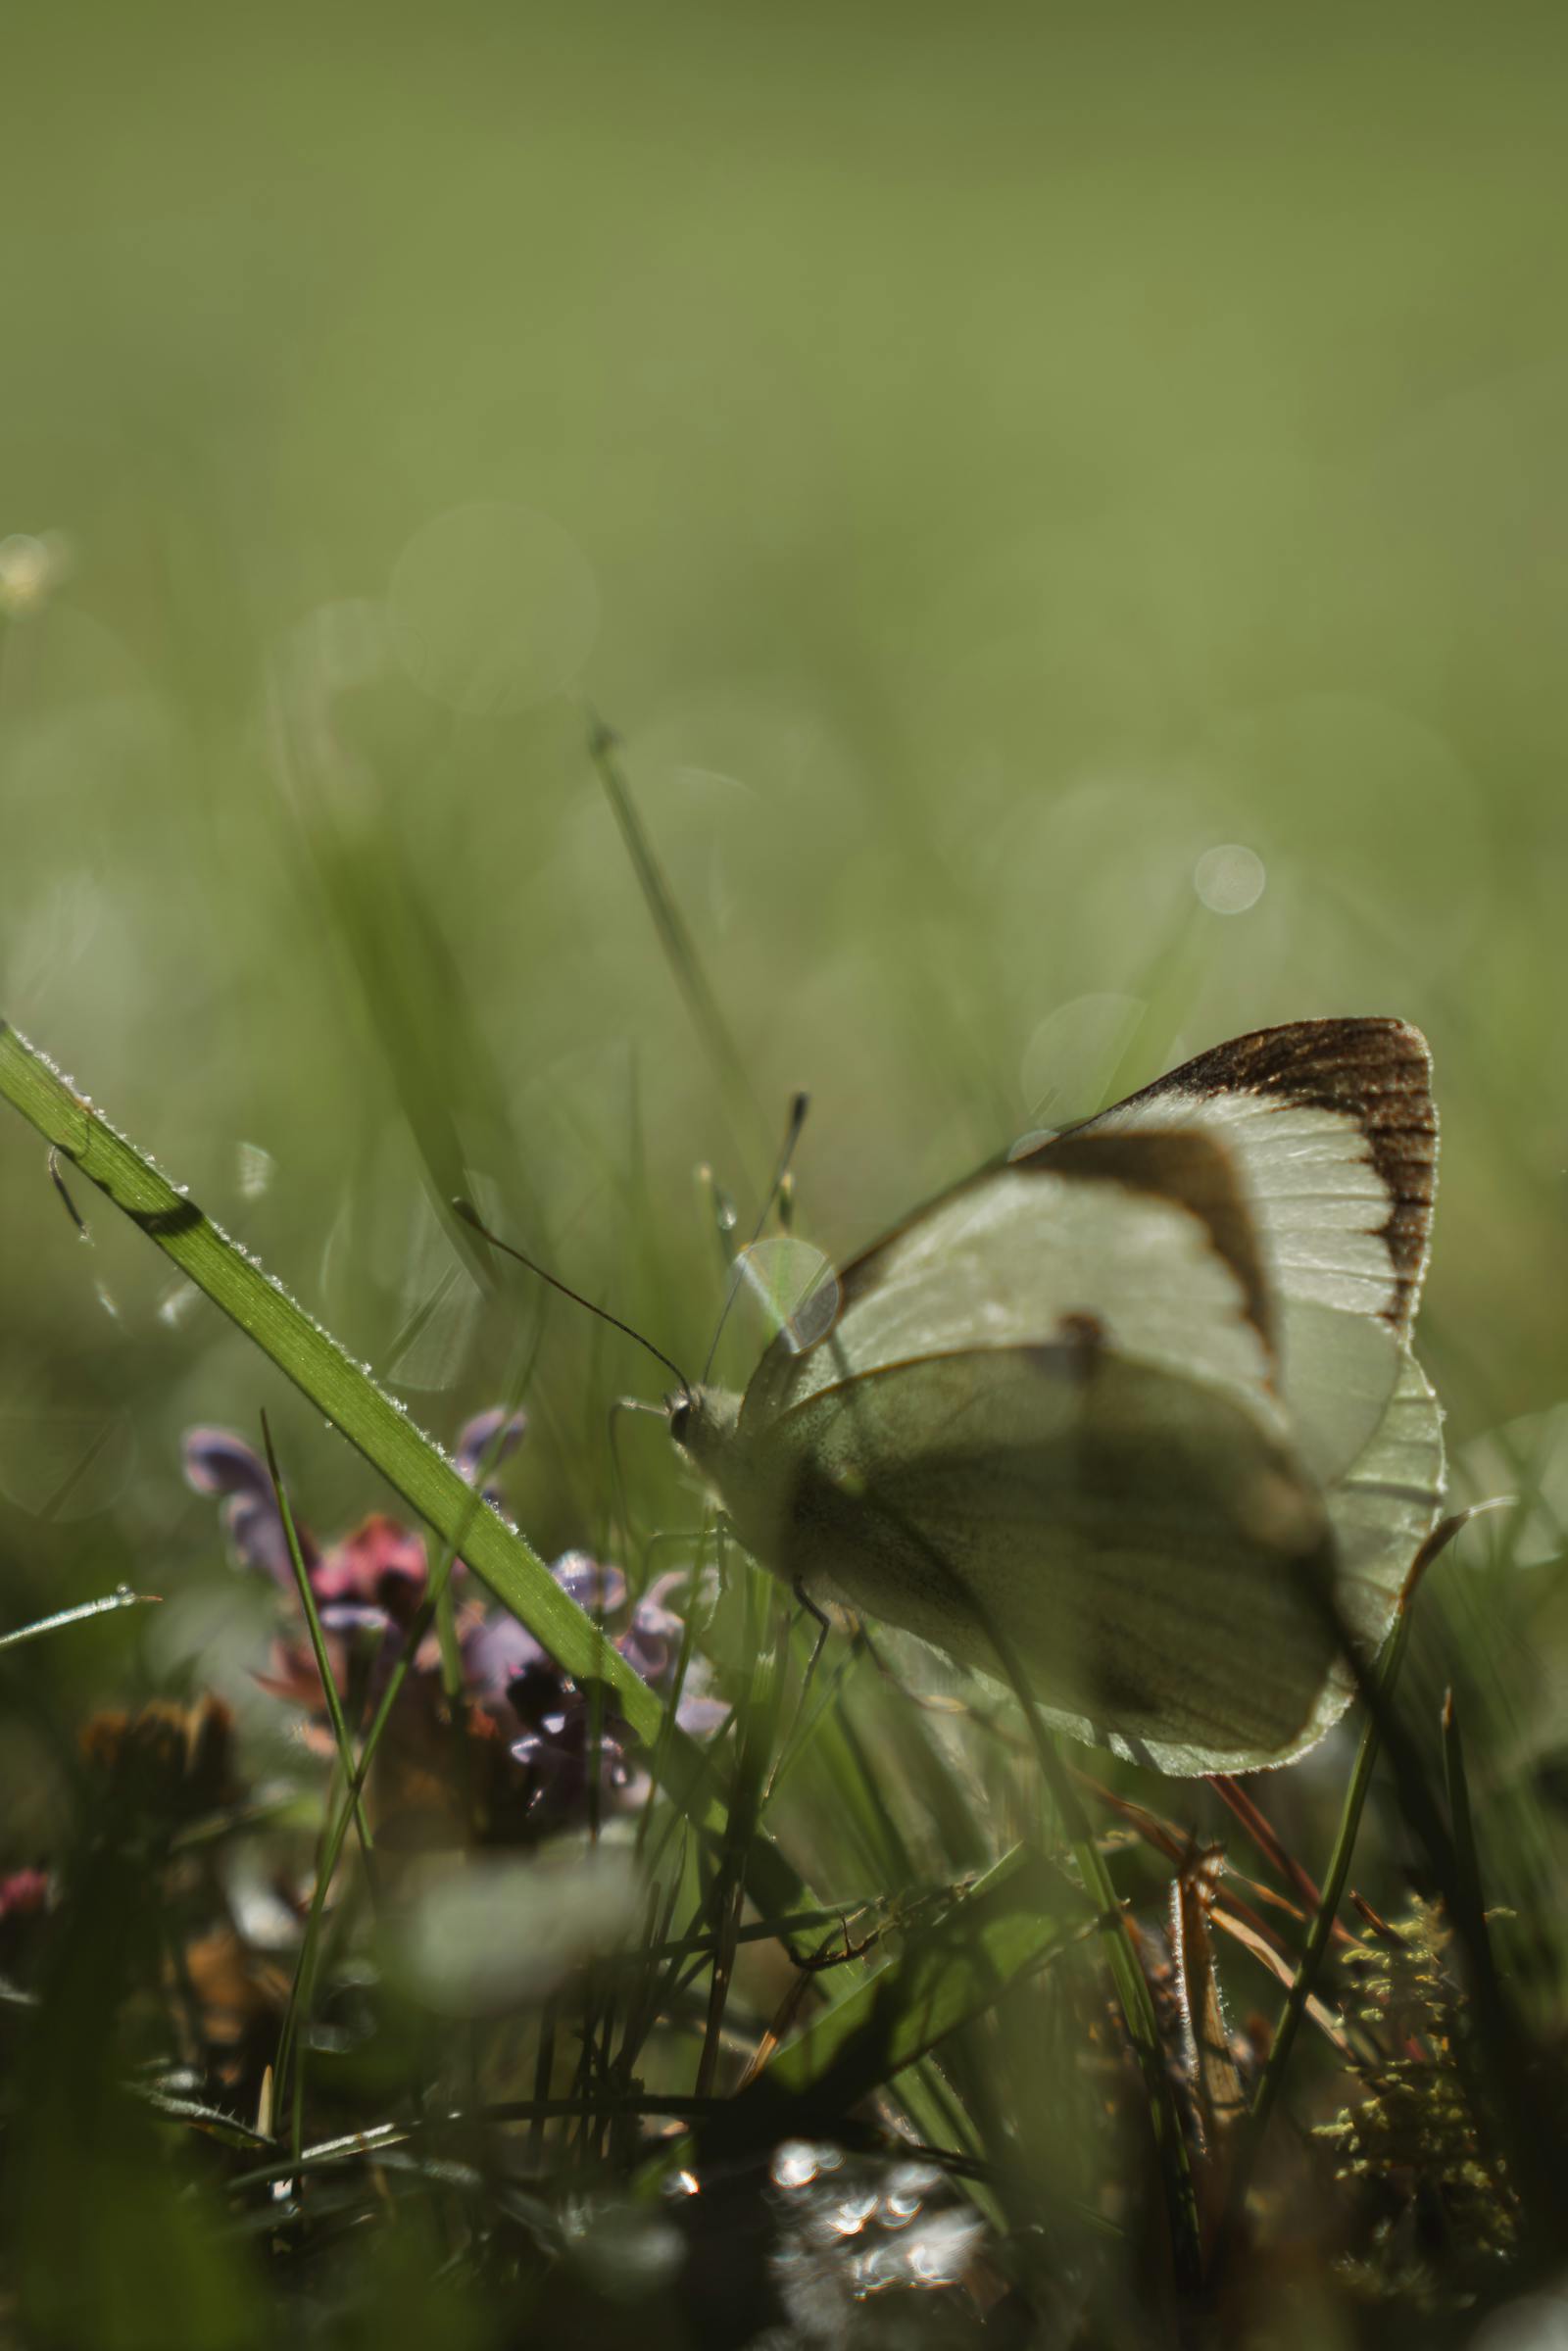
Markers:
(1131, 1412)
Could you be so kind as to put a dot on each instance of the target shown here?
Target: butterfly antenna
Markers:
(792, 1135)
(470, 1216)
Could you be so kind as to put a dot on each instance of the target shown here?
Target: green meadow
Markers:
(567, 575)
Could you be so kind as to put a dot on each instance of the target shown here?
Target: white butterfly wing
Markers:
(1029, 1251)
(1117, 1396)
(1386, 1504)
(1141, 1544)
(1332, 1131)
(1145, 1545)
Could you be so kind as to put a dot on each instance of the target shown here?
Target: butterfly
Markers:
(1133, 1411)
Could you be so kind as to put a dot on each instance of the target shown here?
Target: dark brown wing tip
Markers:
(1375, 1069)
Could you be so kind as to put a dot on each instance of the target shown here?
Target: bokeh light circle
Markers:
(1229, 879)
(1073, 1054)
(494, 609)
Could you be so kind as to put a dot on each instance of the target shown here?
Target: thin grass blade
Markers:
(111, 1602)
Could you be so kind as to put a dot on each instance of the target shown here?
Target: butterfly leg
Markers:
(823, 1622)
(621, 1405)
(823, 1628)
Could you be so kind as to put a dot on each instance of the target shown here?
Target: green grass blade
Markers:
(1310, 1964)
(1377, 1689)
(950, 1973)
(1466, 1854)
(302, 1989)
(423, 1475)
(320, 1368)
(1314, 1949)
(680, 948)
(1121, 1955)
(323, 1664)
(947, 1974)
(107, 1606)
(410, 1462)
(1136, 2006)
(759, 1734)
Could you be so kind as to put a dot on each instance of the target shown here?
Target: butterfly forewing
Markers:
(1026, 1254)
(1331, 1127)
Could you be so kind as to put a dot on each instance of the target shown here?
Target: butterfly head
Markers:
(703, 1423)
(706, 1425)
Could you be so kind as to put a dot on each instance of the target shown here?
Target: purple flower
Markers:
(600, 1590)
(219, 1462)
(495, 1433)
(503, 1663)
(26, 1898)
(697, 1714)
(652, 1646)
(497, 1650)
(25, 1894)
(382, 1565)
(563, 1743)
(381, 1568)
(368, 1587)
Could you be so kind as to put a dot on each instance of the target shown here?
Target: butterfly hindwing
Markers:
(1143, 1543)
(1387, 1503)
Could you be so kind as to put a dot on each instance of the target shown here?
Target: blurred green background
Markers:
(1067, 511)
(982, 462)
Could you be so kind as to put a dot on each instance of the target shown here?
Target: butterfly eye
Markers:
(681, 1412)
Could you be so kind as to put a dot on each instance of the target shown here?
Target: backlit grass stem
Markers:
(323, 1666)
